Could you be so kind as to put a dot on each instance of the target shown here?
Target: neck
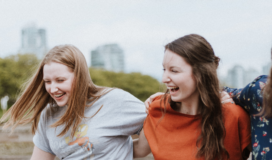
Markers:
(190, 106)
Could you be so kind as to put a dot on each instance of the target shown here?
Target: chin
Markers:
(175, 99)
(61, 104)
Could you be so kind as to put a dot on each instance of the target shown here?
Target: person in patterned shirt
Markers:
(256, 99)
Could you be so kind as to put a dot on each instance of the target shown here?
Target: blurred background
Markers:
(123, 42)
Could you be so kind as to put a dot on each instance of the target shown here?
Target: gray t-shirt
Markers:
(106, 136)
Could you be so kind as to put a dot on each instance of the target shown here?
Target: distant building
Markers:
(33, 40)
(109, 57)
(266, 68)
(238, 77)
(235, 77)
(250, 75)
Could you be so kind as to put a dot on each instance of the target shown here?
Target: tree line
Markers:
(15, 70)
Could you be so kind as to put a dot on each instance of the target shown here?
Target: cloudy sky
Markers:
(239, 31)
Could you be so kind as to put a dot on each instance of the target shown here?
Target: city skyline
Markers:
(33, 40)
(240, 32)
(109, 57)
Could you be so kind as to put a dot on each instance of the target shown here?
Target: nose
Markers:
(165, 77)
(53, 88)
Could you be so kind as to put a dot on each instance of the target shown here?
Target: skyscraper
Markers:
(250, 75)
(236, 76)
(33, 40)
(109, 57)
(266, 68)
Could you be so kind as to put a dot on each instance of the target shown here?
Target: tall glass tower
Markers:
(109, 57)
(33, 40)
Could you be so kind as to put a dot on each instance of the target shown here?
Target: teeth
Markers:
(172, 87)
(59, 95)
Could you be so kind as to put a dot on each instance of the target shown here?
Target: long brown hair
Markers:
(267, 100)
(200, 55)
(34, 97)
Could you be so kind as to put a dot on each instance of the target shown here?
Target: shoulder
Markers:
(158, 102)
(262, 78)
(117, 91)
(47, 111)
(158, 98)
(258, 83)
(52, 112)
(234, 111)
(119, 94)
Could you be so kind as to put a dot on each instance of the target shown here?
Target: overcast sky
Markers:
(240, 32)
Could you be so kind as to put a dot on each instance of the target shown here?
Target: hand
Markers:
(150, 99)
(225, 98)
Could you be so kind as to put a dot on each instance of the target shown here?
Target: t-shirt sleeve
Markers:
(40, 138)
(235, 94)
(132, 114)
(244, 129)
(250, 98)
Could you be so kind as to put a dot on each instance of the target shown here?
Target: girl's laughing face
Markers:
(58, 80)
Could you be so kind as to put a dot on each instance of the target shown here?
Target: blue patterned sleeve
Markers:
(235, 93)
(250, 97)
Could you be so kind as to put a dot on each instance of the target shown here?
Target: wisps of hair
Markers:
(267, 98)
(34, 98)
(200, 55)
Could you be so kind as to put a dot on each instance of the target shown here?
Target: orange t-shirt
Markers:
(174, 136)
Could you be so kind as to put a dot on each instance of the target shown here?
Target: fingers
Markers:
(225, 98)
(227, 101)
(147, 103)
(150, 100)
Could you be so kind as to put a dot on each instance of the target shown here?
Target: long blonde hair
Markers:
(267, 98)
(34, 97)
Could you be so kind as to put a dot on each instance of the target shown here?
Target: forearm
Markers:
(140, 146)
(39, 154)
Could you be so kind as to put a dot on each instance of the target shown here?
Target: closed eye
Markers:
(47, 82)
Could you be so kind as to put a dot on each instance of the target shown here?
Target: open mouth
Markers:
(59, 95)
(173, 89)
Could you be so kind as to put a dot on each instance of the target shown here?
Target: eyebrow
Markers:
(172, 66)
(56, 78)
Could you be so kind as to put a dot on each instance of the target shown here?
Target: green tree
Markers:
(141, 86)
(14, 71)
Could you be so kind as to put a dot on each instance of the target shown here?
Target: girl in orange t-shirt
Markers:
(188, 121)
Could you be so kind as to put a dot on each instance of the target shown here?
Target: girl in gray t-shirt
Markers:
(72, 117)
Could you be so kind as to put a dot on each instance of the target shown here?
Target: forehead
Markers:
(53, 69)
(173, 59)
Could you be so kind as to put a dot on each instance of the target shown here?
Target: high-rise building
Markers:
(235, 77)
(250, 75)
(33, 40)
(109, 57)
(266, 68)
(238, 77)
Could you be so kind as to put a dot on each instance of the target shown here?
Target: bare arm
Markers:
(39, 154)
(140, 146)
